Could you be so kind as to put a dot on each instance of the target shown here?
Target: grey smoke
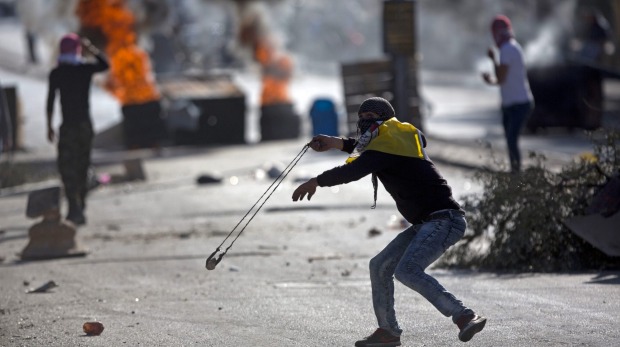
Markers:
(321, 34)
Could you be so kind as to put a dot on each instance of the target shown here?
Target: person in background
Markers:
(72, 79)
(511, 76)
(6, 127)
(595, 34)
(393, 153)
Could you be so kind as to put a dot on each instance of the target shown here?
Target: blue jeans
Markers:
(513, 118)
(405, 259)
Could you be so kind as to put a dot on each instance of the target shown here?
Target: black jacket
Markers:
(73, 82)
(415, 184)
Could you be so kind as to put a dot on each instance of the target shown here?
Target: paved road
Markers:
(296, 277)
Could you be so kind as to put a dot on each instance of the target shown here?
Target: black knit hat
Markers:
(377, 105)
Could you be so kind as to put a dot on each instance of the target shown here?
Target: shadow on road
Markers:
(605, 278)
(144, 259)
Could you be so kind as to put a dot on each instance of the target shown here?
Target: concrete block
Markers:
(134, 170)
(42, 201)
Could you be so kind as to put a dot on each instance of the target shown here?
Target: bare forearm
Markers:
(50, 118)
(102, 62)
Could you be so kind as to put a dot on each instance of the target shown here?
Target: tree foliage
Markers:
(516, 223)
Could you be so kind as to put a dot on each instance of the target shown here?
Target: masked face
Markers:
(366, 120)
(363, 125)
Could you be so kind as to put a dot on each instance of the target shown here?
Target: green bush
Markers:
(516, 223)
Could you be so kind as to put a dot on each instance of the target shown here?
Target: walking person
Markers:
(72, 79)
(393, 153)
(6, 127)
(511, 77)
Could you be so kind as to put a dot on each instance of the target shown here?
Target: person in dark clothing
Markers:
(6, 127)
(393, 152)
(594, 33)
(72, 79)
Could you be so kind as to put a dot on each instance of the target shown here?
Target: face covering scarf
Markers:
(369, 129)
(70, 59)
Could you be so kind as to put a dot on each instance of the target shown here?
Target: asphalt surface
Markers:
(297, 276)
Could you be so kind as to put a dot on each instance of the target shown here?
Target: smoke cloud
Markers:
(322, 34)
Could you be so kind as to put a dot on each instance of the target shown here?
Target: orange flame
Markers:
(276, 68)
(130, 78)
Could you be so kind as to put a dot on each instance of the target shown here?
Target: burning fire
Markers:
(276, 69)
(130, 78)
(276, 65)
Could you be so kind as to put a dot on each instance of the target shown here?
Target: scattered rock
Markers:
(113, 227)
(269, 247)
(93, 328)
(42, 200)
(186, 235)
(134, 171)
(44, 288)
(208, 179)
(274, 170)
(374, 232)
(324, 257)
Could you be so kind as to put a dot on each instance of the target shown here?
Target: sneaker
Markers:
(75, 213)
(77, 218)
(380, 338)
(470, 325)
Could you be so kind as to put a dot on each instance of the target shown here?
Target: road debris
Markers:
(44, 288)
(208, 179)
(324, 257)
(374, 232)
(93, 328)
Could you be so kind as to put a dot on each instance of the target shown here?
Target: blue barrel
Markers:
(324, 117)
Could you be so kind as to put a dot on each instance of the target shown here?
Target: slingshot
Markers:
(212, 261)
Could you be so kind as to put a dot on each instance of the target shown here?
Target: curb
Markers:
(474, 155)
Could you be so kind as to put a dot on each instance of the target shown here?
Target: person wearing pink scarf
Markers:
(511, 77)
(71, 80)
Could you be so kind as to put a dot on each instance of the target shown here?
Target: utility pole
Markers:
(399, 41)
